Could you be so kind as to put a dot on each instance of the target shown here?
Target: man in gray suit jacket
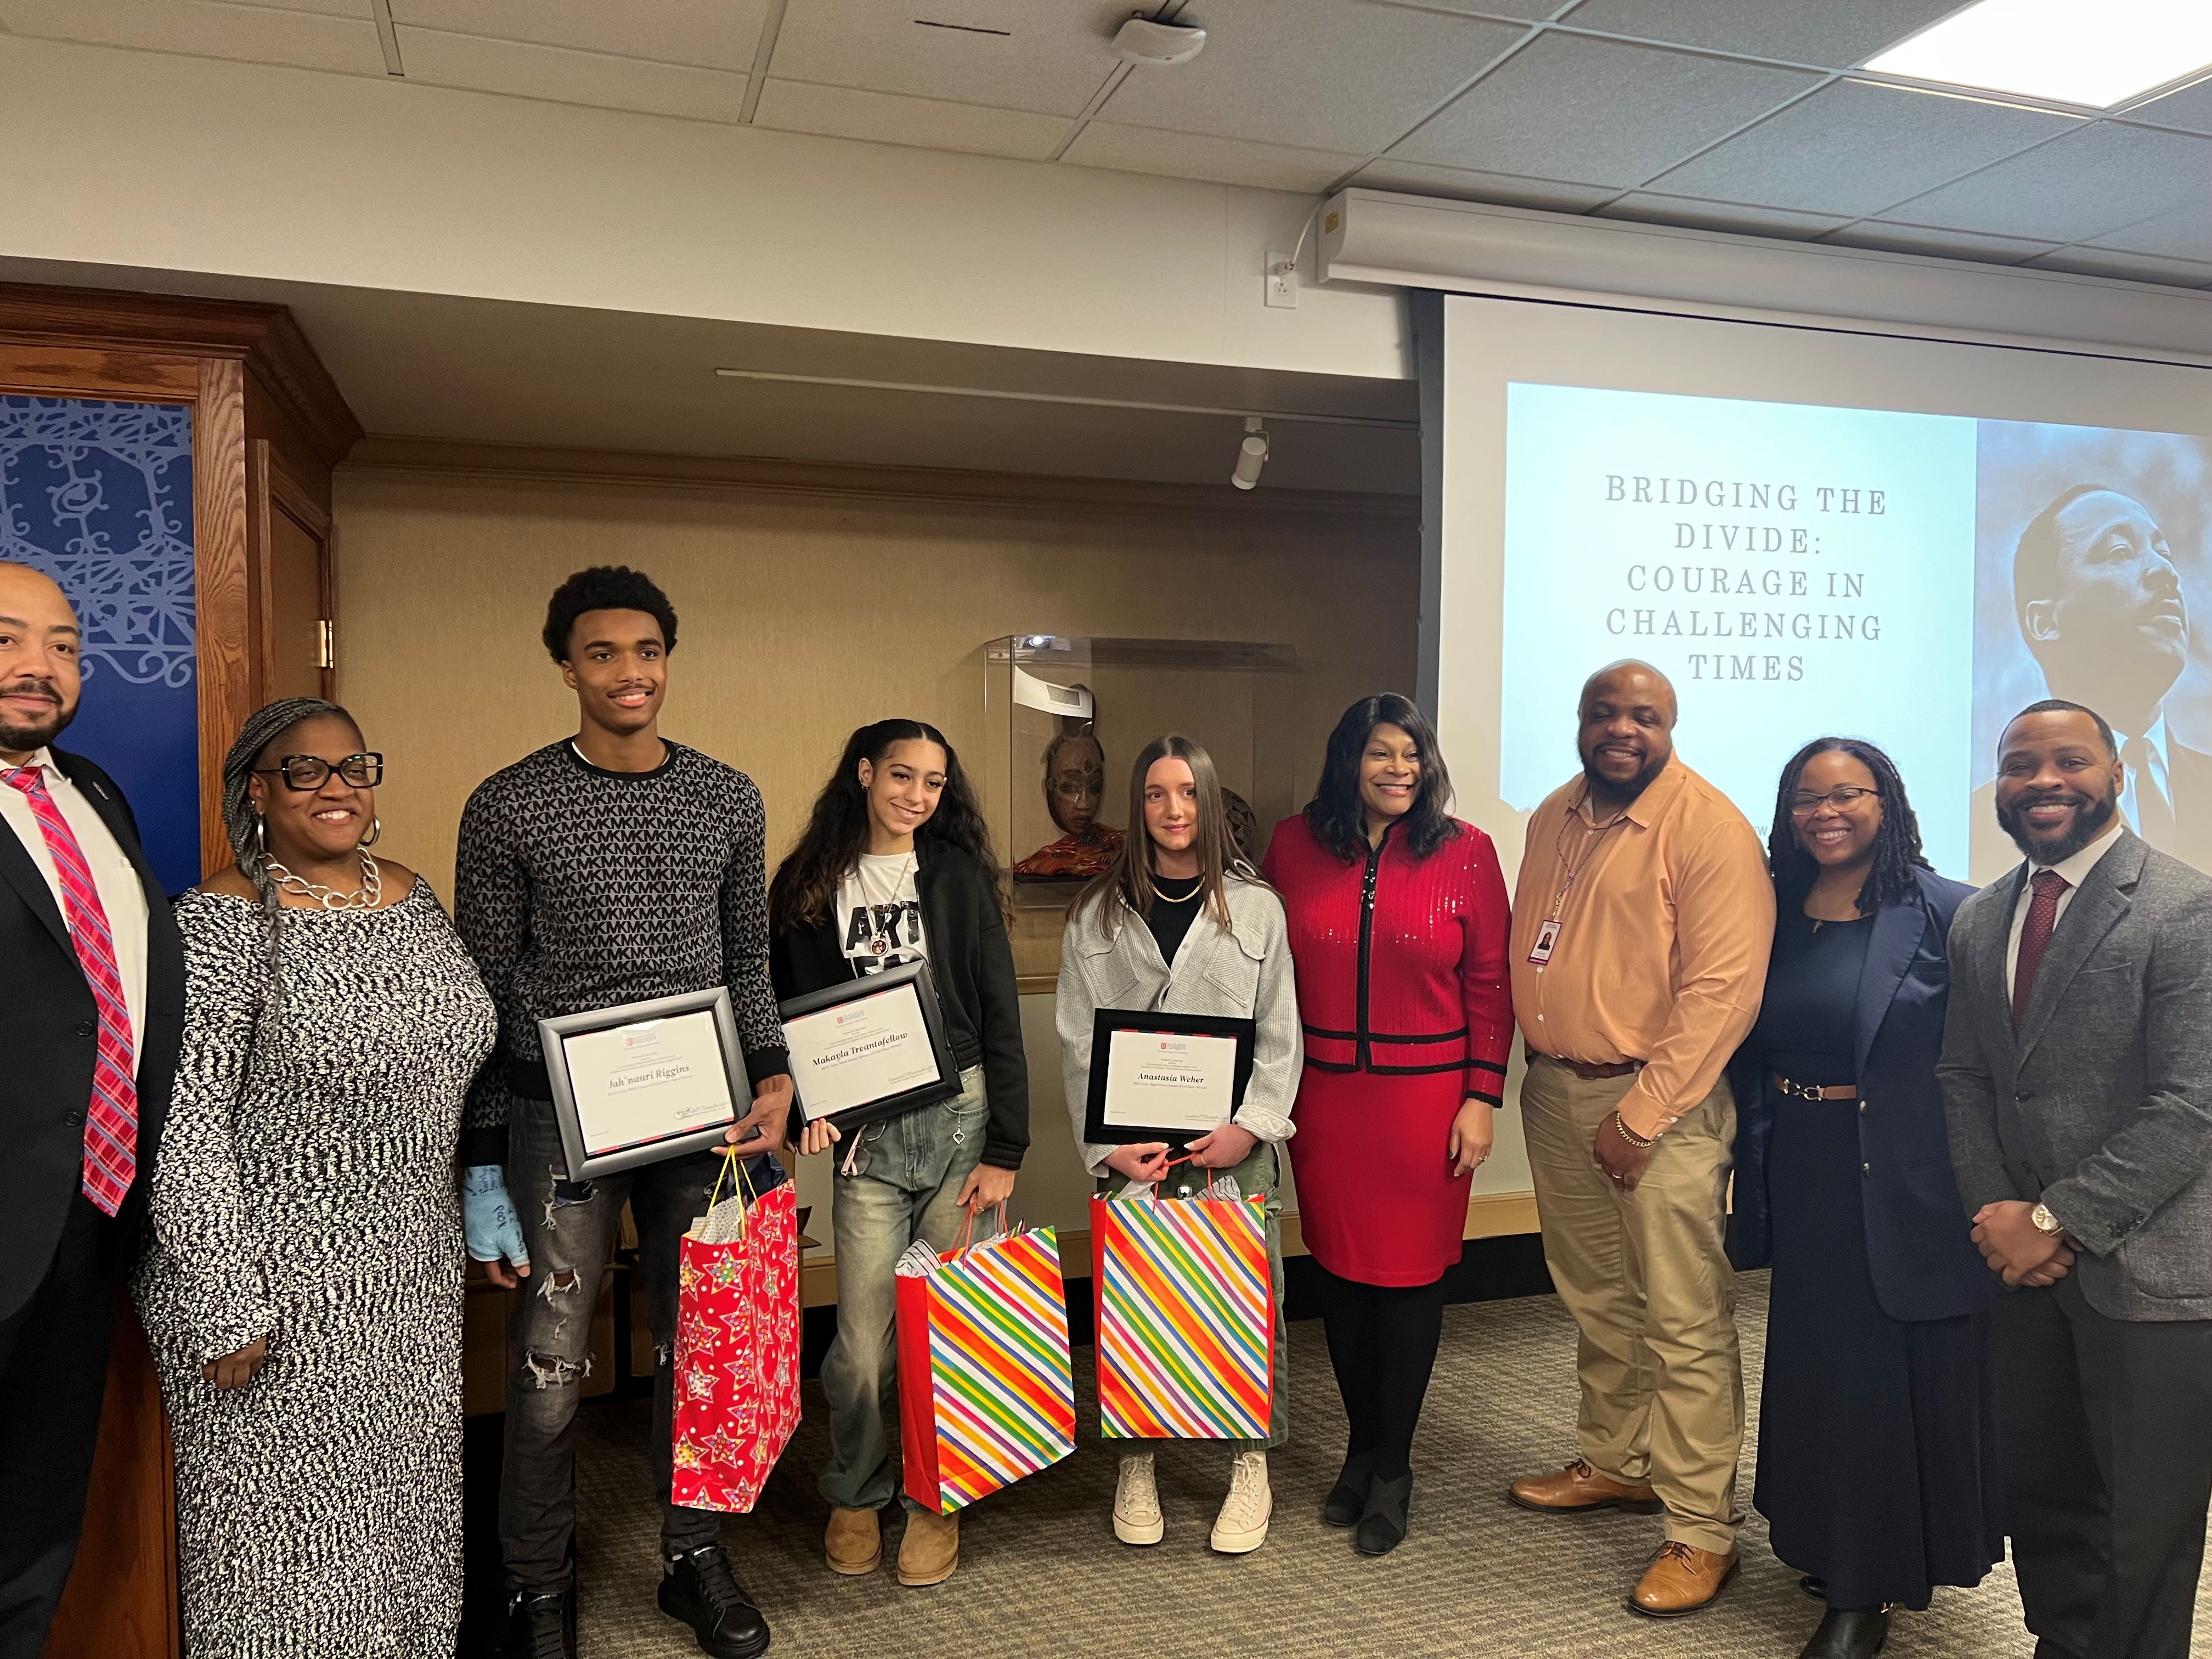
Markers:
(2077, 1081)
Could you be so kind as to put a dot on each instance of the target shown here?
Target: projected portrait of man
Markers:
(2100, 605)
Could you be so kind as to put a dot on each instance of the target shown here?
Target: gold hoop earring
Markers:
(375, 832)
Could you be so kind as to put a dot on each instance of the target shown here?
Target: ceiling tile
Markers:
(1010, 54)
(1939, 244)
(436, 58)
(1651, 208)
(889, 117)
(1854, 147)
(1598, 111)
(1201, 155)
(1510, 10)
(1468, 185)
(2183, 233)
(350, 9)
(308, 40)
(2191, 107)
(2134, 267)
(721, 35)
(2076, 187)
(1325, 74)
(1833, 33)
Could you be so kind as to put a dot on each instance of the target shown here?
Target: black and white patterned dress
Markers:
(305, 1191)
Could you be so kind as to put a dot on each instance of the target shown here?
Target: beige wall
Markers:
(806, 611)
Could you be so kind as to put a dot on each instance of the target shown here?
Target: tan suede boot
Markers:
(930, 1550)
(854, 1546)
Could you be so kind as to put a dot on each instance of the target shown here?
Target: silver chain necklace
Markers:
(367, 897)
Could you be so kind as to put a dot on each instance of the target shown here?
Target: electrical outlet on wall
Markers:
(1282, 280)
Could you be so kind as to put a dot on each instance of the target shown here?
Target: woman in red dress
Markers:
(1398, 919)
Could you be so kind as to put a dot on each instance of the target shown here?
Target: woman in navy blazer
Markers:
(1878, 1468)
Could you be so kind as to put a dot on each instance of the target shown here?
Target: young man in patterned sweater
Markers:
(607, 868)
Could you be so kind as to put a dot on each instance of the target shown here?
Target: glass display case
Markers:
(1067, 715)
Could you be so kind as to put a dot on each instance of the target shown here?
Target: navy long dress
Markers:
(1878, 1464)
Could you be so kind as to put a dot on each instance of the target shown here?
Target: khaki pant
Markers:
(1645, 1275)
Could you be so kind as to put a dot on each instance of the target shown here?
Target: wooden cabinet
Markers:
(268, 424)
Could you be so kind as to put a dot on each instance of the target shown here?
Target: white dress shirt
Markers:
(2154, 759)
(2074, 871)
(121, 893)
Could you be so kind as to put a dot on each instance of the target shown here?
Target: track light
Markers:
(1251, 454)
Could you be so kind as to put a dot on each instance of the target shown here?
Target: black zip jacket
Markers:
(973, 967)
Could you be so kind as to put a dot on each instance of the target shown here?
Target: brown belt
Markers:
(1814, 1091)
(1589, 1072)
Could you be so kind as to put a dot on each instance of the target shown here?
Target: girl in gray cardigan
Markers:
(1180, 924)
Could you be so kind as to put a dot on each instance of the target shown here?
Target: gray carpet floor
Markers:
(1042, 1574)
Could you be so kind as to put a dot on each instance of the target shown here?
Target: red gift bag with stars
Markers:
(737, 1349)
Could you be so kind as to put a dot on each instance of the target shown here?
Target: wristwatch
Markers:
(2044, 1221)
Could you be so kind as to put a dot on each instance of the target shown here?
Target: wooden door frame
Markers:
(135, 348)
(146, 348)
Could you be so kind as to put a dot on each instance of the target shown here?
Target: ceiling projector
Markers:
(1141, 41)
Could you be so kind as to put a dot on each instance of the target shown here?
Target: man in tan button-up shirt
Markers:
(1640, 936)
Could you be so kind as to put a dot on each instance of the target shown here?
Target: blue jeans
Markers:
(897, 1185)
(1259, 1175)
(568, 1228)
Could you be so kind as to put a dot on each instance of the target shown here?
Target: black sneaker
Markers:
(697, 1588)
(542, 1625)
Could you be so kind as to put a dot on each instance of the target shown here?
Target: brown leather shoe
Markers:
(930, 1550)
(1682, 1578)
(1579, 1488)
(854, 1546)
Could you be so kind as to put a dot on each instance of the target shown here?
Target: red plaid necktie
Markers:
(111, 1126)
(2034, 937)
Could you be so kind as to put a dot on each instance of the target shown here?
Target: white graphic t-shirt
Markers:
(879, 912)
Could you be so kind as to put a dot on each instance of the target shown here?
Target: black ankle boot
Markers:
(542, 1624)
(1347, 1499)
(1849, 1634)
(697, 1589)
(1382, 1525)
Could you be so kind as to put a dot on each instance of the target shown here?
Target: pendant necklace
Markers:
(879, 940)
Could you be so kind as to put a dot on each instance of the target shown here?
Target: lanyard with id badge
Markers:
(1548, 930)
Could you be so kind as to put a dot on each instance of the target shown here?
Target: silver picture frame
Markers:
(552, 1038)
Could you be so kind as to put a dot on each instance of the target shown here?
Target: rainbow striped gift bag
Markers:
(1186, 1318)
(985, 1393)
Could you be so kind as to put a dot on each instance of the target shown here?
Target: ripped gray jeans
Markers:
(569, 1230)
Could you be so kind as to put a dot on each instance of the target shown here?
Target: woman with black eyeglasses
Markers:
(302, 1287)
(1878, 1468)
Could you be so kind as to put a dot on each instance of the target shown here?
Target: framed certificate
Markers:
(872, 1048)
(1165, 1077)
(645, 1081)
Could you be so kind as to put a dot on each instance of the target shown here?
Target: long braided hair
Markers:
(261, 728)
(1896, 845)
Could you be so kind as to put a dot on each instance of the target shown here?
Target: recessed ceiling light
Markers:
(2093, 52)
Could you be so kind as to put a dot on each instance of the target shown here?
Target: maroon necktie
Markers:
(111, 1125)
(2035, 937)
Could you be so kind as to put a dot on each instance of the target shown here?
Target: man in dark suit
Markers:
(2100, 604)
(2077, 1082)
(91, 976)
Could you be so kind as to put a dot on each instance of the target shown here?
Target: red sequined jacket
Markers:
(1400, 960)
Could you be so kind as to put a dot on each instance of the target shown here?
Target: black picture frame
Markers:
(908, 979)
(552, 1035)
(1107, 1021)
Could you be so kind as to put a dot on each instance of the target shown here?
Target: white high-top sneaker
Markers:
(1242, 1526)
(1137, 1517)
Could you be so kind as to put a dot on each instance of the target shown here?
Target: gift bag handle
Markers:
(731, 1160)
(968, 1230)
(1214, 1177)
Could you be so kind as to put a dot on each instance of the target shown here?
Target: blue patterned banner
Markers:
(99, 495)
